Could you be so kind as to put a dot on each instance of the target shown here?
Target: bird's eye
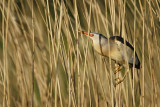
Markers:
(85, 33)
(91, 35)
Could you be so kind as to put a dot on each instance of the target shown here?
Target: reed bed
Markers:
(45, 61)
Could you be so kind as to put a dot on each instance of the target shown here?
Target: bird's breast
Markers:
(103, 49)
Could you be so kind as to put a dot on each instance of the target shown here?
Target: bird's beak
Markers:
(86, 33)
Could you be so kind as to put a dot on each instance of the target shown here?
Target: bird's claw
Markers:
(117, 69)
(118, 81)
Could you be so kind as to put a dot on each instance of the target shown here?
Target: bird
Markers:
(121, 51)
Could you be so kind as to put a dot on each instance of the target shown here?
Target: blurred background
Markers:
(45, 61)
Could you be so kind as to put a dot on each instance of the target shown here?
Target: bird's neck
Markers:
(101, 45)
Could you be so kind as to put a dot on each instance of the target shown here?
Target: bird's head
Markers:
(92, 35)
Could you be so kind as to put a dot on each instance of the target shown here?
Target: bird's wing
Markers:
(126, 51)
(120, 39)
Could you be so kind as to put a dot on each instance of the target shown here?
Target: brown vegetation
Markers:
(44, 61)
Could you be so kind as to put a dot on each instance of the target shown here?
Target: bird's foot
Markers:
(118, 81)
(117, 69)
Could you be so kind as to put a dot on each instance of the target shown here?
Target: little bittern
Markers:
(121, 51)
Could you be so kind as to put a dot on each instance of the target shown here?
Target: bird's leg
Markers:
(117, 68)
(119, 80)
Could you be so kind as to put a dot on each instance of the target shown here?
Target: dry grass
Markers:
(44, 61)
